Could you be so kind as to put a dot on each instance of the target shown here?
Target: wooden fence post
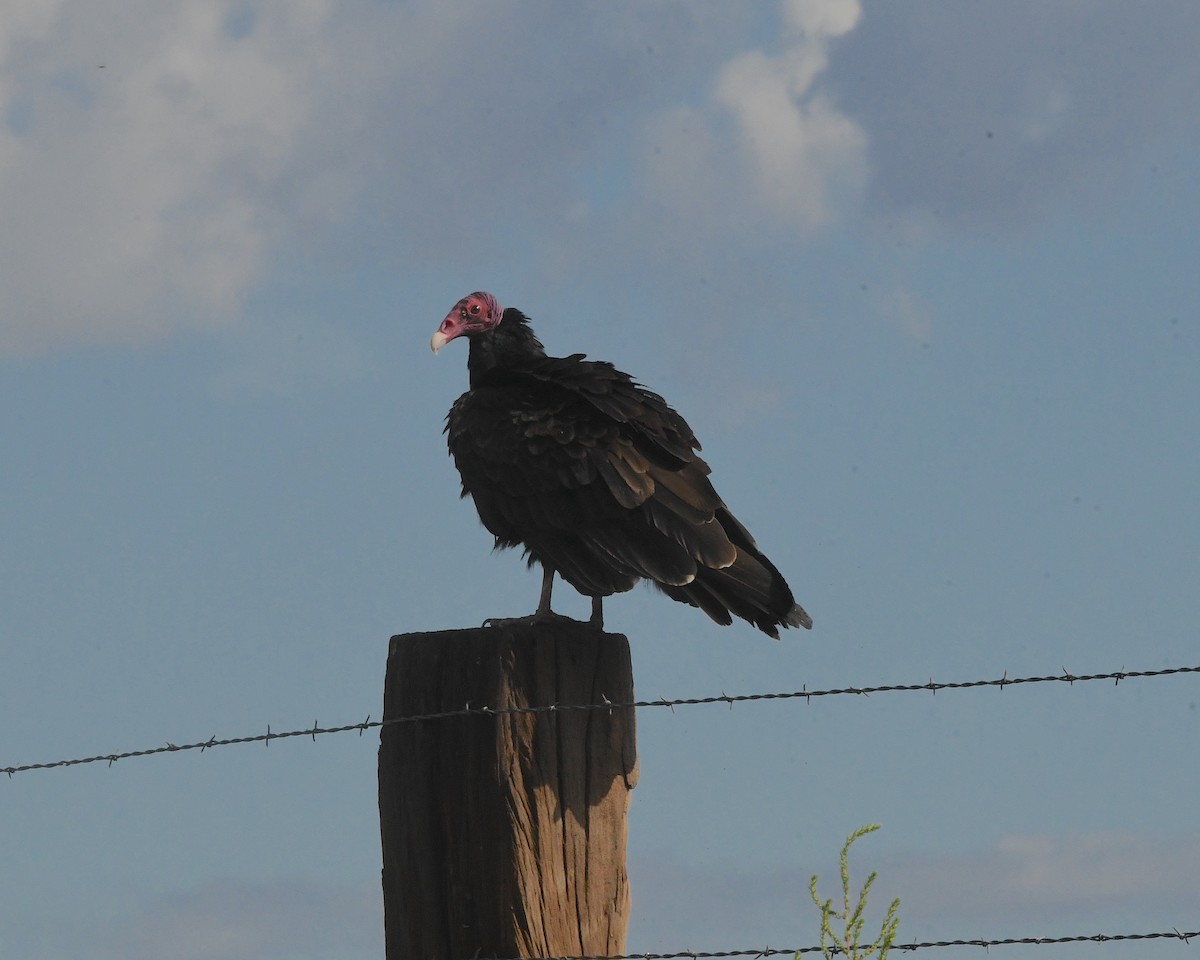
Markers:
(504, 836)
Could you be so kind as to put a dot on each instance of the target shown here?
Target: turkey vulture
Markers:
(597, 478)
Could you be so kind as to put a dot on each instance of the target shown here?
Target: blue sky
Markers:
(921, 276)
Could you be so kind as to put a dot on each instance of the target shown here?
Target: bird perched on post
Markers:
(597, 478)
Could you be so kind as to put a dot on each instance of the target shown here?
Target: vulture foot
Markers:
(536, 618)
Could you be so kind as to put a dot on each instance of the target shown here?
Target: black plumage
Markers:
(597, 478)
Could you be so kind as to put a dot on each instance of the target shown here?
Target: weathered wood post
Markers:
(504, 836)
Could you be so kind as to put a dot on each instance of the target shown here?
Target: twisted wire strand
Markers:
(1184, 936)
(316, 730)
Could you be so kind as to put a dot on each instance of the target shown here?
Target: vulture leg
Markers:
(544, 613)
(543, 607)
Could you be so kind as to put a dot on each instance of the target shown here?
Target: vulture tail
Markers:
(750, 587)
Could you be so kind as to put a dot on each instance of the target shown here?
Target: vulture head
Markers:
(475, 313)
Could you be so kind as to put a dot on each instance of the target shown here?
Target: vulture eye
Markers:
(474, 309)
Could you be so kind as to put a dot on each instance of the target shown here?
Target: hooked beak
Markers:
(453, 326)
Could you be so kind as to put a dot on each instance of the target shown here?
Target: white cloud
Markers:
(829, 18)
(159, 159)
(138, 157)
(795, 157)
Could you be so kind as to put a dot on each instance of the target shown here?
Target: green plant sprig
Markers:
(849, 943)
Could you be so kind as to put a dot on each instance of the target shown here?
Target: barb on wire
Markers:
(756, 953)
(805, 694)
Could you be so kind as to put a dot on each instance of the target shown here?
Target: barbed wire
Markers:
(316, 730)
(1174, 934)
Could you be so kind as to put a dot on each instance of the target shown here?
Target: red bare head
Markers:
(475, 313)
